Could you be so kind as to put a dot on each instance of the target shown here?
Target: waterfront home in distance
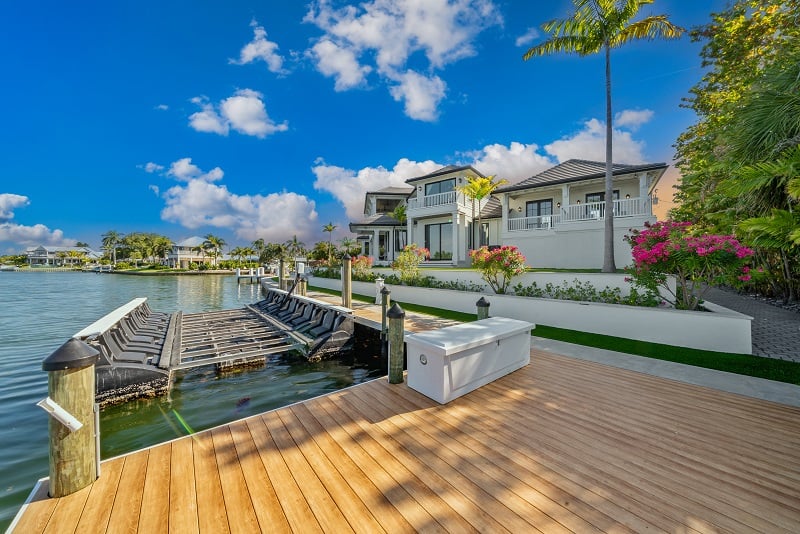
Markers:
(556, 217)
(61, 256)
(186, 252)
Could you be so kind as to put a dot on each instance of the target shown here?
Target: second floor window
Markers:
(445, 186)
(386, 205)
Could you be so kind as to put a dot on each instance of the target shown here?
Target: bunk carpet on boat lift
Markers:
(229, 335)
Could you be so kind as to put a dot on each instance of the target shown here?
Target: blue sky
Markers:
(267, 119)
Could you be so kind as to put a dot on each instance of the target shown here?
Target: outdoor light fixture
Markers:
(627, 196)
(558, 204)
(519, 209)
(579, 202)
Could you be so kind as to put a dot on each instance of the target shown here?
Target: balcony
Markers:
(440, 199)
(590, 211)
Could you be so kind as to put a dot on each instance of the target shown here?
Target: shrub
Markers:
(498, 266)
(361, 265)
(586, 292)
(696, 261)
(408, 262)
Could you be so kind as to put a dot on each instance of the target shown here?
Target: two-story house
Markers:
(61, 256)
(379, 233)
(188, 251)
(557, 217)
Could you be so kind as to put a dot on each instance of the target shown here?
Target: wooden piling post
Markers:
(71, 386)
(347, 291)
(302, 286)
(281, 282)
(385, 293)
(483, 308)
(396, 317)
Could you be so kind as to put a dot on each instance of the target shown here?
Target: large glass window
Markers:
(400, 240)
(439, 240)
(386, 205)
(542, 209)
(594, 211)
(445, 186)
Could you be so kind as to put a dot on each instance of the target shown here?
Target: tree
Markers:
(258, 247)
(598, 26)
(295, 247)
(111, 239)
(478, 188)
(350, 246)
(330, 227)
(214, 245)
(82, 244)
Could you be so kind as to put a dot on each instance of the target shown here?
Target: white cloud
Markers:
(420, 94)
(527, 37)
(151, 167)
(633, 118)
(339, 63)
(261, 49)
(162, 107)
(198, 202)
(514, 162)
(155, 189)
(349, 187)
(9, 202)
(244, 112)
(184, 170)
(590, 143)
(388, 33)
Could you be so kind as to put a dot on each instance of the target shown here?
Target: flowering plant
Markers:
(361, 265)
(498, 266)
(697, 261)
(408, 262)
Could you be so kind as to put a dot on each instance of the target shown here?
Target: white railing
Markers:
(628, 207)
(439, 199)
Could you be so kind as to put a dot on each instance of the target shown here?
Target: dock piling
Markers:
(281, 281)
(385, 292)
(73, 436)
(483, 308)
(347, 291)
(396, 317)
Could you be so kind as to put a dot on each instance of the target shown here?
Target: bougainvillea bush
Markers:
(408, 262)
(498, 266)
(361, 266)
(669, 248)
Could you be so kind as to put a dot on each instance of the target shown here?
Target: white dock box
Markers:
(447, 363)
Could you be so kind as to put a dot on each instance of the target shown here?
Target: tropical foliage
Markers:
(498, 266)
(408, 262)
(598, 26)
(478, 188)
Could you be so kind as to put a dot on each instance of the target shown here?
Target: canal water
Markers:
(40, 311)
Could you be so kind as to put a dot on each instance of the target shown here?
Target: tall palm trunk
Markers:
(608, 235)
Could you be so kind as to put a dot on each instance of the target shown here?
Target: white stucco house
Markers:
(185, 252)
(556, 218)
(61, 256)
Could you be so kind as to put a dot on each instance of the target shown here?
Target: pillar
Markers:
(396, 317)
(347, 277)
(483, 308)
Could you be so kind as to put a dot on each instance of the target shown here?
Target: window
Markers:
(439, 240)
(386, 205)
(598, 212)
(484, 233)
(542, 210)
(445, 186)
(400, 240)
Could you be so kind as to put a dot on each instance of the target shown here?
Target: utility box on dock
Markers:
(447, 363)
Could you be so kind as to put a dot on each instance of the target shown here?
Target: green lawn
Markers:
(743, 364)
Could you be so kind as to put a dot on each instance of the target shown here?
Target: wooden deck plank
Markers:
(128, 500)
(36, 514)
(291, 499)
(182, 489)
(212, 515)
(154, 512)
(262, 493)
(561, 444)
(239, 507)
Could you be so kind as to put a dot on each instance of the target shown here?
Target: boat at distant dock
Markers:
(9, 268)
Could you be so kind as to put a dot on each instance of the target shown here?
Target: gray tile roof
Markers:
(399, 191)
(492, 210)
(445, 170)
(380, 219)
(574, 170)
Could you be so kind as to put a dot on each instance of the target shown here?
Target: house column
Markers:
(503, 216)
(374, 250)
(456, 248)
(645, 205)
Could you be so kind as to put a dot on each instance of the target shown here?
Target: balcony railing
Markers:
(439, 199)
(590, 211)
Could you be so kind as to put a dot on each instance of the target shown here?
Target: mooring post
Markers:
(347, 292)
(70, 402)
(281, 283)
(302, 286)
(483, 308)
(385, 292)
(396, 317)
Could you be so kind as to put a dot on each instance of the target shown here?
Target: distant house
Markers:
(61, 256)
(556, 217)
(186, 252)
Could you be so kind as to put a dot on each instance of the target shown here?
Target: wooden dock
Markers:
(562, 445)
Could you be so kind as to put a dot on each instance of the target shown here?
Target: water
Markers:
(40, 311)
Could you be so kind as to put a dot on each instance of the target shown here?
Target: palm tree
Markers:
(348, 245)
(295, 247)
(595, 26)
(478, 188)
(330, 227)
(214, 244)
(111, 239)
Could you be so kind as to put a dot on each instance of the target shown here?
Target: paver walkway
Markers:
(775, 332)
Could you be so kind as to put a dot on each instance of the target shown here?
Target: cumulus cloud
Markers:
(243, 112)
(20, 234)
(151, 167)
(9, 202)
(198, 202)
(386, 33)
(162, 107)
(260, 49)
(349, 186)
(590, 143)
(527, 37)
(420, 94)
(633, 118)
(514, 162)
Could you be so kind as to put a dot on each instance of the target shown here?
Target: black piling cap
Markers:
(74, 354)
(395, 312)
(346, 257)
(482, 303)
(385, 290)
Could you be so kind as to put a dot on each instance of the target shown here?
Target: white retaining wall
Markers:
(719, 330)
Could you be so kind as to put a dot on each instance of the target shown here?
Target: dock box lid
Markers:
(453, 339)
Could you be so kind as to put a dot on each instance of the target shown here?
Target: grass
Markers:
(742, 364)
